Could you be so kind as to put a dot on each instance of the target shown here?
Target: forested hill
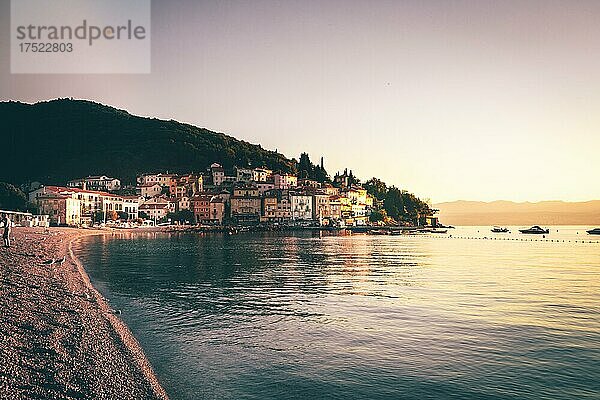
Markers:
(63, 139)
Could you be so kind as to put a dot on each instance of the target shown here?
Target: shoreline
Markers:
(59, 337)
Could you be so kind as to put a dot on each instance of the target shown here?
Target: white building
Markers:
(261, 174)
(301, 205)
(131, 205)
(99, 182)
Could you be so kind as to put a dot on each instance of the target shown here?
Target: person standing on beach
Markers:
(6, 233)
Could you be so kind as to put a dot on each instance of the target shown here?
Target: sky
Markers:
(476, 100)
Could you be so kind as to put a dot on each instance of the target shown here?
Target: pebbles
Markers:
(58, 345)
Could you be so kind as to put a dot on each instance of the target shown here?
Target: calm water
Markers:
(270, 316)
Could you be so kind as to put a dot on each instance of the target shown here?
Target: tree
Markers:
(307, 170)
(353, 180)
(112, 215)
(98, 216)
(305, 167)
(393, 203)
(143, 215)
(181, 216)
(378, 215)
(123, 216)
(13, 199)
(376, 188)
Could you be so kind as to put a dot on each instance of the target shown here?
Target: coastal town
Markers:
(215, 197)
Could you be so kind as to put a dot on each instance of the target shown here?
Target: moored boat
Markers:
(595, 231)
(439, 231)
(378, 232)
(497, 229)
(433, 230)
(534, 230)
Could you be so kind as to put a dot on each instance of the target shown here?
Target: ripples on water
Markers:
(371, 317)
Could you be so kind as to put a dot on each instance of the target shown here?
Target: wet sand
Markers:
(59, 339)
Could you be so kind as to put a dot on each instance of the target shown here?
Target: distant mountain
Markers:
(510, 213)
(59, 140)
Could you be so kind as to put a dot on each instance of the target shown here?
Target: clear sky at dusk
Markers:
(478, 100)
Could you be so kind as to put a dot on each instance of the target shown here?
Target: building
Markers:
(150, 179)
(217, 174)
(18, 218)
(285, 181)
(90, 201)
(183, 203)
(156, 208)
(217, 210)
(301, 207)
(62, 209)
(149, 190)
(261, 174)
(244, 175)
(358, 195)
(331, 190)
(276, 206)
(246, 204)
(112, 203)
(264, 187)
(200, 206)
(335, 208)
(186, 185)
(308, 183)
(101, 182)
(359, 214)
(269, 207)
(321, 207)
(131, 206)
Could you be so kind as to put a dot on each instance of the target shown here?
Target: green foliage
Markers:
(143, 215)
(98, 217)
(13, 199)
(398, 204)
(307, 170)
(376, 188)
(346, 179)
(378, 215)
(182, 216)
(123, 216)
(59, 140)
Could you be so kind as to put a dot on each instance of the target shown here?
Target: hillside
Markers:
(510, 213)
(62, 139)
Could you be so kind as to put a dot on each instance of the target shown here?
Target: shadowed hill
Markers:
(64, 139)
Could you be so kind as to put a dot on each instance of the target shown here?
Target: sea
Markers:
(468, 314)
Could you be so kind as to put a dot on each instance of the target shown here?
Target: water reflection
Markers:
(276, 316)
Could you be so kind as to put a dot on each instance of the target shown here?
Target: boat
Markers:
(534, 230)
(438, 231)
(433, 230)
(497, 229)
(378, 232)
(595, 231)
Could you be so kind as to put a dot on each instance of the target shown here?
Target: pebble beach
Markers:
(59, 338)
